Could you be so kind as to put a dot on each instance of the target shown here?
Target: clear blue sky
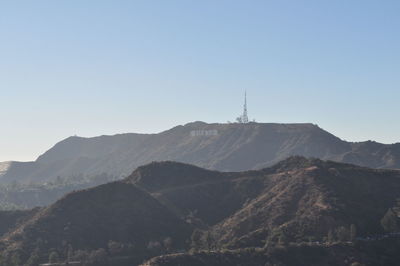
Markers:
(105, 67)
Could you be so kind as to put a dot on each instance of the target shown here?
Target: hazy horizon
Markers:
(102, 68)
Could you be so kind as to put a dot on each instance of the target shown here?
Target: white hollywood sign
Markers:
(195, 133)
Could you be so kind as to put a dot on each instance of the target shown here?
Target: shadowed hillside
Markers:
(309, 201)
(166, 207)
(11, 219)
(90, 219)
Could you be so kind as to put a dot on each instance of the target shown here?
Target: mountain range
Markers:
(223, 147)
(297, 212)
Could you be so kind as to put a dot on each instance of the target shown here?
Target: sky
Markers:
(94, 67)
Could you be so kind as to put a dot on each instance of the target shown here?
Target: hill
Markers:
(111, 216)
(308, 202)
(167, 206)
(297, 199)
(223, 147)
(11, 219)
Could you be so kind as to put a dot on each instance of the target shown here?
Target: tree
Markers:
(390, 222)
(268, 243)
(81, 255)
(33, 259)
(167, 242)
(114, 247)
(98, 257)
(342, 234)
(196, 239)
(54, 257)
(70, 253)
(282, 240)
(209, 240)
(154, 245)
(330, 237)
(16, 260)
(353, 232)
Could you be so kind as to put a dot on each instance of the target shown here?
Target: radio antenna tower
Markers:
(245, 118)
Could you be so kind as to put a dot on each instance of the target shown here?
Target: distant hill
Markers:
(167, 207)
(224, 147)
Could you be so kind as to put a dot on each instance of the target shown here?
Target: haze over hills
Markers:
(224, 147)
(168, 207)
(165, 189)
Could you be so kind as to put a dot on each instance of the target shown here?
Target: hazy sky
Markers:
(105, 67)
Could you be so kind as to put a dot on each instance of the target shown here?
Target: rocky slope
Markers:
(224, 147)
(309, 201)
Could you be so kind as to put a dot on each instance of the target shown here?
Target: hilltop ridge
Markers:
(223, 147)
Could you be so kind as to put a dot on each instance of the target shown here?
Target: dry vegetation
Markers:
(290, 212)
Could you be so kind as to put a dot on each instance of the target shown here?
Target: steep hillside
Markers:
(166, 207)
(11, 219)
(225, 147)
(310, 201)
(297, 199)
(90, 219)
(201, 196)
